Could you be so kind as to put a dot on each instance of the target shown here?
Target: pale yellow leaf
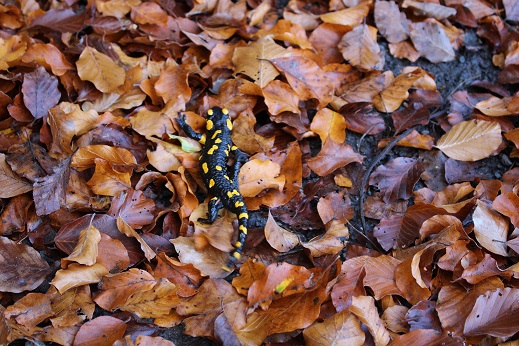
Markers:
(154, 303)
(342, 328)
(278, 237)
(352, 16)
(471, 140)
(494, 106)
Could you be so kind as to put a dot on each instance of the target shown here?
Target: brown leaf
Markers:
(10, 183)
(455, 303)
(360, 49)
(490, 228)
(133, 207)
(107, 180)
(149, 13)
(61, 20)
(15, 215)
(102, 331)
(209, 261)
(508, 204)
(172, 84)
(30, 310)
(127, 230)
(11, 50)
(342, 328)
(50, 191)
(280, 97)
(431, 41)
(22, 268)
(397, 178)
(288, 31)
(429, 9)
(331, 242)
(40, 92)
(99, 69)
(48, 56)
(306, 78)
(185, 276)
(333, 156)
(352, 16)
(494, 313)
(427, 337)
(278, 237)
(244, 136)
(413, 115)
(257, 175)
(364, 308)
(488, 267)
(253, 61)
(464, 141)
(392, 97)
(512, 10)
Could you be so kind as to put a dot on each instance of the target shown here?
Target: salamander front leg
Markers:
(212, 211)
(181, 120)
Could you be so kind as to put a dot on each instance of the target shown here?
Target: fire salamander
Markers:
(222, 184)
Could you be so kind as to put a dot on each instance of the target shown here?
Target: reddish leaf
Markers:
(495, 313)
(415, 114)
(397, 178)
(21, 267)
(64, 21)
(333, 156)
(102, 331)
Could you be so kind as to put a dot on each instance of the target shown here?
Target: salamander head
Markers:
(218, 118)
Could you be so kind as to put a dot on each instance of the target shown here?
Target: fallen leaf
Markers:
(86, 249)
(22, 268)
(364, 308)
(361, 50)
(490, 228)
(11, 184)
(392, 97)
(40, 92)
(278, 237)
(333, 156)
(77, 275)
(99, 69)
(464, 140)
(431, 41)
(102, 331)
(341, 328)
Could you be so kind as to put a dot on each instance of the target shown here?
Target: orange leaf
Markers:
(329, 123)
(352, 16)
(209, 261)
(107, 181)
(490, 228)
(333, 156)
(392, 97)
(101, 331)
(364, 308)
(280, 97)
(84, 157)
(77, 275)
(257, 175)
(48, 56)
(99, 69)
(86, 249)
(11, 50)
(306, 78)
(285, 30)
(126, 229)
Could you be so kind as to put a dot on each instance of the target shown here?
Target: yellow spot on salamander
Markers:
(238, 244)
(243, 216)
(226, 152)
(210, 112)
(229, 124)
(225, 111)
(209, 125)
(211, 183)
(243, 229)
(238, 204)
(216, 133)
(202, 139)
(218, 168)
(236, 255)
(218, 140)
(226, 177)
(204, 167)
(233, 148)
(213, 148)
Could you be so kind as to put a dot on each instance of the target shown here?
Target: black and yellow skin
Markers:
(221, 183)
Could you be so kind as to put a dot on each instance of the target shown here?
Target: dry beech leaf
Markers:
(86, 249)
(404, 50)
(22, 268)
(352, 16)
(40, 92)
(285, 30)
(257, 175)
(342, 328)
(103, 331)
(495, 106)
(253, 61)
(429, 9)
(209, 261)
(471, 140)
(392, 97)
(333, 156)
(361, 50)
(490, 228)
(432, 42)
(331, 242)
(329, 123)
(107, 180)
(84, 157)
(99, 69)
(11, 49)
(126, 229)
(390, 21)
(306, 78)
(364, 308)
(278, 237)
(10, 183)
(77, 275)
(280, 97)
(508, 204)
(397, 178)
(48, 56)
(495, 313)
